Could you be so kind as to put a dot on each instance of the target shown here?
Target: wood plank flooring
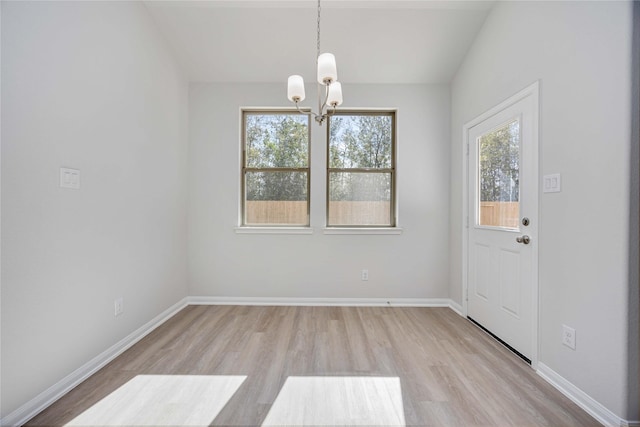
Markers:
(441, 369)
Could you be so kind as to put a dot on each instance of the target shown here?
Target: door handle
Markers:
(523, 239)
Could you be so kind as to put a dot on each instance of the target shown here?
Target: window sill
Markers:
(362, 231)
(274, 230)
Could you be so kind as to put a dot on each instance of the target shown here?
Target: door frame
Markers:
(532, 91)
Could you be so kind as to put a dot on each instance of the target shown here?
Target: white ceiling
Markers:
(374, 41)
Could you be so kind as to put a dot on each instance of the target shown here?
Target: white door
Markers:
(503, 222)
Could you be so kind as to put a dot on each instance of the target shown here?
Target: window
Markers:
(361, 169)
(499, 180)
(275, 168)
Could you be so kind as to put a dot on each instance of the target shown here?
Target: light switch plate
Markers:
(69, 178)
(551, 183)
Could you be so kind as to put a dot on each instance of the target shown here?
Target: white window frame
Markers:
(391, 228)
(245, 228)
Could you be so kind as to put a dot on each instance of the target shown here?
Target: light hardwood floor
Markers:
(344, 365)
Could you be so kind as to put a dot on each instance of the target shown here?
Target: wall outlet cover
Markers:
(569, 337)
(118, 305)
(70, 178)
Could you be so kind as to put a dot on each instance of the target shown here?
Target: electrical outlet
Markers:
(118, 305)
(569, 337)
(70, 178)
(365, 275)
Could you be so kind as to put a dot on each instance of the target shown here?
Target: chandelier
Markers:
(329, 89)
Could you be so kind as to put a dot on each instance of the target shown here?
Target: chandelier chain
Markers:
(318, 35)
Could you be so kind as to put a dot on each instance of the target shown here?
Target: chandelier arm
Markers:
(326, 98)
(308, 113)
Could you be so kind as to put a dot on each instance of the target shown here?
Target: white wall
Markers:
(90, 86)
(411, 265)
(581, 52)
(634, 228)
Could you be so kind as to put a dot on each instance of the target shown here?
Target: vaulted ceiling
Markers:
(374, 41)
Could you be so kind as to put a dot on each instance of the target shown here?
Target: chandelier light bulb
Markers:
(327, 70)
(295, 88)
(335, 94)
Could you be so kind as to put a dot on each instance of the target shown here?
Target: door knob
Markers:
(523, 239)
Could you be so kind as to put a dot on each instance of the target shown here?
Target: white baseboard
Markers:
(582, 399)
(62, 387)
(342, 302)
(456, 307)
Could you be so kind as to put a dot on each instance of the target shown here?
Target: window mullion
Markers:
(275, 169)
(362, 170)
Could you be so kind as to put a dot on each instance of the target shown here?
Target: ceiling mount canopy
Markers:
(329, 89)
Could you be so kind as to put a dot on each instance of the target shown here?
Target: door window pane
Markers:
(499, 180)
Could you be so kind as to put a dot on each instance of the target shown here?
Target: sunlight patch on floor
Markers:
(338, 401)
(163, 400)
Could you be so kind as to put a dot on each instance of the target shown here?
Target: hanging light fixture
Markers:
(329, 89)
